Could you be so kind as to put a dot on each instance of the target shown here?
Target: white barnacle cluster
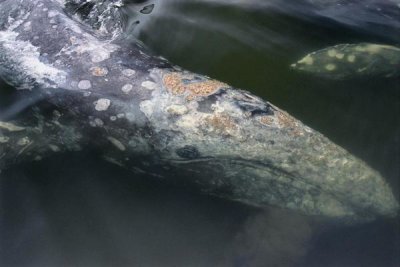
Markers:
(187, 118)
(149, 85)
(127, 88)
(96, 122)
(84, 84)
(176, 109)
(102, 104)
(128, 72)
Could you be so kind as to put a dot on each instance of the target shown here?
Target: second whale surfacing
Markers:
(144, 114)
(345, 61)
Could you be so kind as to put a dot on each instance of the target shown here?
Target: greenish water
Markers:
(75, 210)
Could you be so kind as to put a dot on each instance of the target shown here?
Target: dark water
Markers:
(75, 210)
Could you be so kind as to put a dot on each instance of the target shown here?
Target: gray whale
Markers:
(147, 115)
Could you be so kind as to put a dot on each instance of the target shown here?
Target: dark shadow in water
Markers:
(74, 210)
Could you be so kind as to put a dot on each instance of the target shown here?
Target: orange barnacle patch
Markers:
(186, 84)
(266, 120)
(287, 121)
(99, 72)
(282, 120)
(190, 97)
(204, 88)
(173, 82)
(222, 124)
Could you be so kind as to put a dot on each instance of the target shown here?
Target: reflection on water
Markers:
(72, 211)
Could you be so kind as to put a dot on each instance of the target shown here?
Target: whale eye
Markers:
(188, 152)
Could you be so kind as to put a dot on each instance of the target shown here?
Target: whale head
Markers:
(238, 146)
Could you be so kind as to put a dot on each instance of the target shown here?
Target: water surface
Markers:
(74, 210)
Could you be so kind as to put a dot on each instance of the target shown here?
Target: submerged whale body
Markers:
(144, 114)
(346, 61)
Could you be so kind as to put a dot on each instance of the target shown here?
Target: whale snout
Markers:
(354, 192)
(319, 177)
(253, 152)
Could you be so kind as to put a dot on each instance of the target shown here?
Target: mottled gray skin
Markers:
(346, 61)
(143, 114)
